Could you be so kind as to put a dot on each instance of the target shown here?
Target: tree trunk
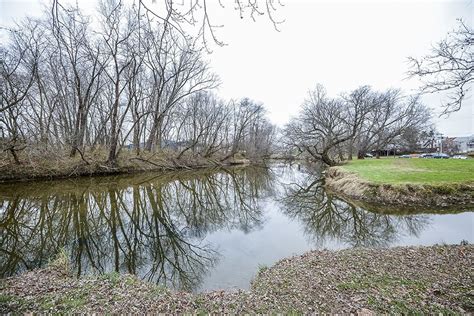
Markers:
(15, 156)
(79, 129)
(327, 160)
(155, 134)
(136, 137)
(351, 147)
(112, 160)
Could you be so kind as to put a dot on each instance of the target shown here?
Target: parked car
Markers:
(440, 156)
(367, 155)
(404, 156)
(426, 156)
(459, 157)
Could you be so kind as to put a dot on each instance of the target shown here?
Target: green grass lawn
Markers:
(413, 170)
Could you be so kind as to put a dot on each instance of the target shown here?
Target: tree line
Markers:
(128, 78)
(119, 79)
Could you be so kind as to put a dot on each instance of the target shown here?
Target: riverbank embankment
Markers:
(50, 165)
(405, 182)
(436, 279)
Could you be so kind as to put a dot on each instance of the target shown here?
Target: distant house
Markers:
(465, 144)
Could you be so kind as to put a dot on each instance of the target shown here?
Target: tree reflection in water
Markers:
(326, 217)
(155, 226)
(151, 227)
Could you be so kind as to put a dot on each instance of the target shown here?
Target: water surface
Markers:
(199, 230)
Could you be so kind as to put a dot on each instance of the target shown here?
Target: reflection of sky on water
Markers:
(218, 227)
(443, 229)
(281, 237)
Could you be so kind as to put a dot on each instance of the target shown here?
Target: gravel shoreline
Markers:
(435, 279)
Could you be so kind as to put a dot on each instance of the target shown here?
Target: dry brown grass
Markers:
(345, 182)
(37, 163)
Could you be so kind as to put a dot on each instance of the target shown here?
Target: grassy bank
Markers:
(413, 171)
(398, 280)
(434, 183)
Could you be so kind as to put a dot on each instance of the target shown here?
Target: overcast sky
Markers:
(340, 44)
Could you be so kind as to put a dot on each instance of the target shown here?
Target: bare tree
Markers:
(209, 125)
(364, 120)
(195, 13)
(201, 122)
(68, 86)
(18, 70)
(360, 103)
(322, 125)
(449, 68)
(394, 116)
(17, 73)
(177, 70)
(80, 57)
(117, 31)
(245, 113)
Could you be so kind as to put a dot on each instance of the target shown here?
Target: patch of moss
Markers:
(131, 280)
(443, 189)
(262, 268)
(73, 303)
(380, 282)
(61, 262)
(47, 303)
(11, 303)
(5, 298)
(293, 312)
(112, 277)
(160, 289)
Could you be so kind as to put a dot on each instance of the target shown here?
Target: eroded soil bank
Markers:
(440, 195)
(405, 279)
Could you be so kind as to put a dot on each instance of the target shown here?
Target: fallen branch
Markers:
(82, 156)
(152, 163)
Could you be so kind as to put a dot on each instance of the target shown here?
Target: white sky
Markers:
(340, 44)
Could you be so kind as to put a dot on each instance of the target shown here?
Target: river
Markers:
(200, 230)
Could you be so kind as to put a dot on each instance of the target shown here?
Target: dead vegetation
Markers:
(436, 279)
(37, 163)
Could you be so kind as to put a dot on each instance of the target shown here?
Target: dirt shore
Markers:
(350, 185)
(436, 279)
